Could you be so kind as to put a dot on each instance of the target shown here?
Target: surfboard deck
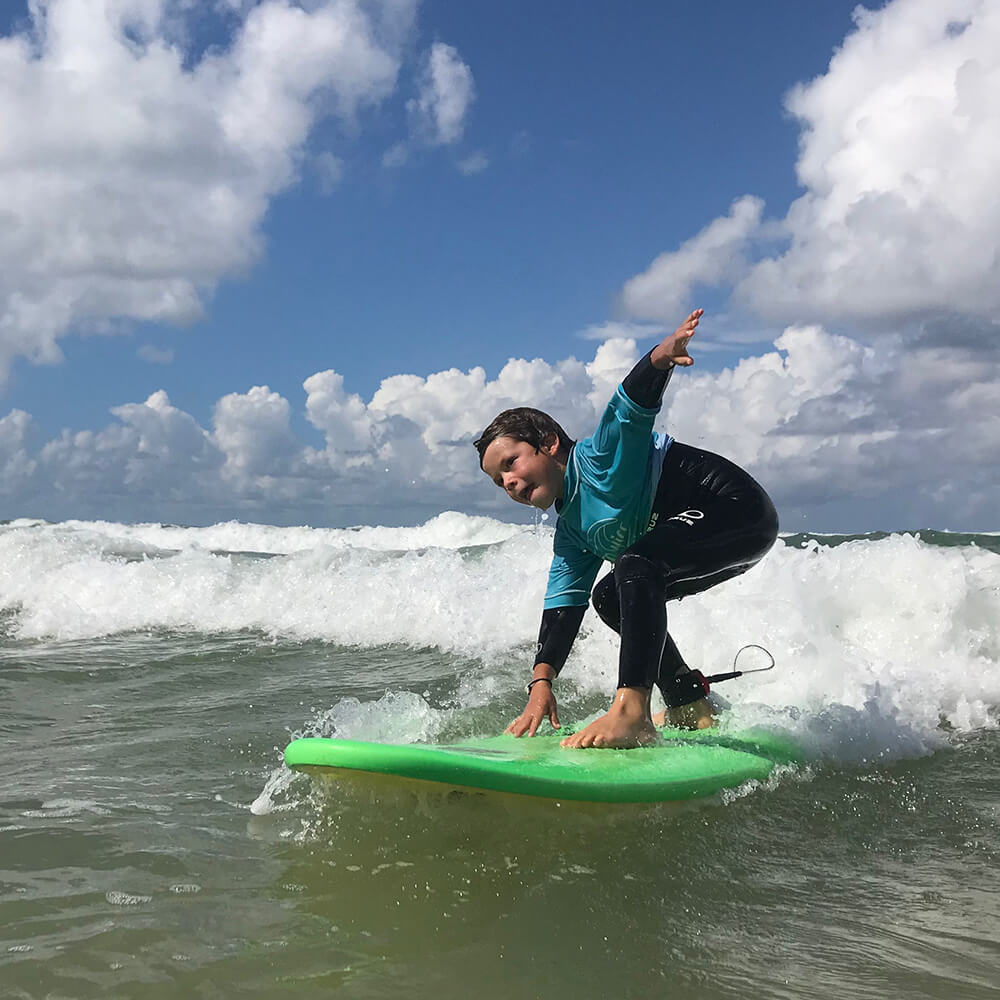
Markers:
(685, 765)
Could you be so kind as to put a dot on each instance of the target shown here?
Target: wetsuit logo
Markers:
(688, 516)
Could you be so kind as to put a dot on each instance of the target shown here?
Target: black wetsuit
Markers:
(710, 521)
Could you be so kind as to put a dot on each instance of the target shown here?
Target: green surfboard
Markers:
(685, 765)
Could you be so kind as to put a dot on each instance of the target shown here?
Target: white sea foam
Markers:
(396, 717)
(450, 530)
(74, 581)
(117, 898)
(877, 641)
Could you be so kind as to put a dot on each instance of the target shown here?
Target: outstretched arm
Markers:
(647, 381)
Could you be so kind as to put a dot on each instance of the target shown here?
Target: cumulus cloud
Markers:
(133, 176)
(152, 457)
(253, 431)
(135, 173)
(344, 419)
(827, 423)
(899, 150)
(18, 467)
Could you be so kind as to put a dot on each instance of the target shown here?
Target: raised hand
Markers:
(673, 349)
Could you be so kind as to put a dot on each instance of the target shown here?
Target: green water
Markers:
(131, 866)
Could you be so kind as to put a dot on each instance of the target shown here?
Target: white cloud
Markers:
(826, 423)
(134, 175)
(896, 238)
(329, 171)
(616, 329)
(252, 430)
(899, 155)
(475, 163)
(153, 456)
(724, 336)
(714, 256)
(161, 438)
(18, 469)
(155, 355)
(396, 155)
(446, 94)
(344, 419)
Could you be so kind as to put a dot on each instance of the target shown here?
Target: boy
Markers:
(672, 520)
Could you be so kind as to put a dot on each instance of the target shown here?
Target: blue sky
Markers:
(590, 139)
(610, 139)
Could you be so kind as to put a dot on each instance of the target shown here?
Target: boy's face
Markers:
(530, 477)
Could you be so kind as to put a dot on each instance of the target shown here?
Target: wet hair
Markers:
(522, 424)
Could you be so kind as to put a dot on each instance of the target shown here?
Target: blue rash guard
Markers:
(611, 479)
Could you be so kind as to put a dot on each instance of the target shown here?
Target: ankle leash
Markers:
(683, 689)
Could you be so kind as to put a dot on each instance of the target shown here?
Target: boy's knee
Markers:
(631, 567)
(605, 601)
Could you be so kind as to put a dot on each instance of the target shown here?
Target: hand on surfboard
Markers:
(541, 705)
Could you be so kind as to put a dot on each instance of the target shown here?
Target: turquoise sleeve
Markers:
(617, 455)
(571, 577)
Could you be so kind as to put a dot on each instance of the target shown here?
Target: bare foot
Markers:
(697, 715)
(627, 724)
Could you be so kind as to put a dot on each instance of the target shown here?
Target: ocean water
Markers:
(152, 844)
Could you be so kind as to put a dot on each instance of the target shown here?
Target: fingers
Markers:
(524, 724)
(531, 718)
(682, 337)
(520, 725)
(688, 327)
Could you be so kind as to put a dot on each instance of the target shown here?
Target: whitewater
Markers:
(894, 627)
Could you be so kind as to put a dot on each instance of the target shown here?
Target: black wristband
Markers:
(530, 684)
